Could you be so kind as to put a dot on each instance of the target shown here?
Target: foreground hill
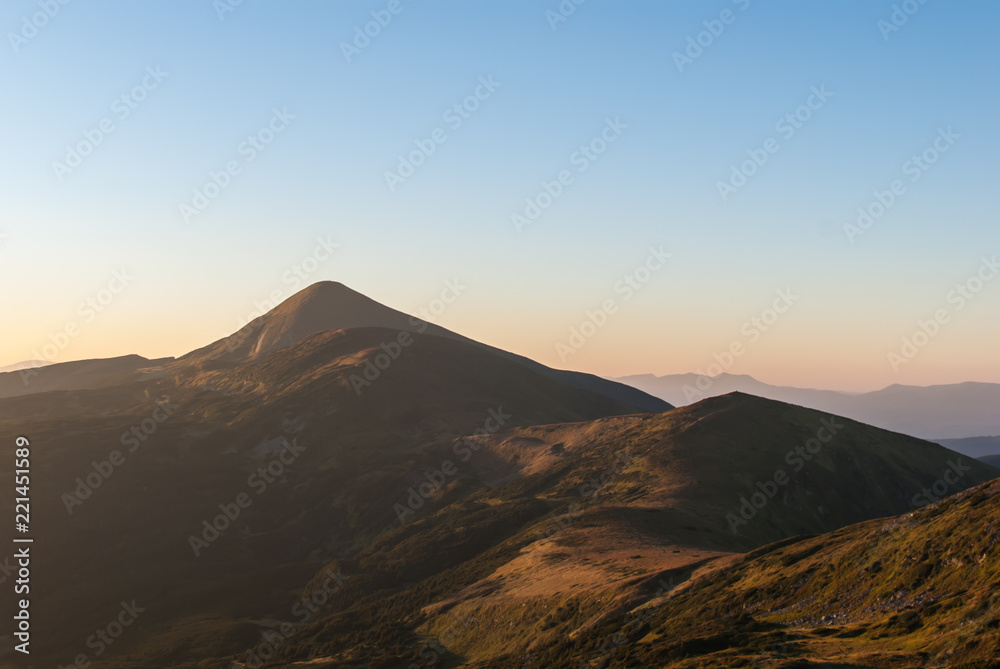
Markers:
(933, 412)
(917, 590)
(637, 512)
(752, 471)
(491, 549)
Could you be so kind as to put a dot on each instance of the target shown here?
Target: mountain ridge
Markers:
(320, 307)
(943, 411)
(330, 305)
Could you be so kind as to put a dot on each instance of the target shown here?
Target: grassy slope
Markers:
(472, 553)
(477, 564)
(918, 590)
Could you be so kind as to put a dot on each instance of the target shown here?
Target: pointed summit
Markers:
(320, 307)
(327, 305)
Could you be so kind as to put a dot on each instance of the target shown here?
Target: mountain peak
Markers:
(323, 288)
(322, 306)
(324, 296)
(330, 305)
(319, 307)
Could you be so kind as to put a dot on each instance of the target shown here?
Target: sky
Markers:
(800, 191)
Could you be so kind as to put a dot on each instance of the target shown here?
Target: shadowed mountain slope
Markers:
(329, 305)
(535, 536)
(127, 475)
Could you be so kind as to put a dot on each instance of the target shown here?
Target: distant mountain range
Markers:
(75, 375)
(27, 364)
(933, 412)
(991, 460)
(975, 447)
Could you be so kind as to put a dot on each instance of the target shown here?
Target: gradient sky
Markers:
(656, 184)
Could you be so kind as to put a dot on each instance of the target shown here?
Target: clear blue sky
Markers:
(656, 184)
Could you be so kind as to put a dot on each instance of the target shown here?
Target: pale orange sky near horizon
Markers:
(795, 350)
